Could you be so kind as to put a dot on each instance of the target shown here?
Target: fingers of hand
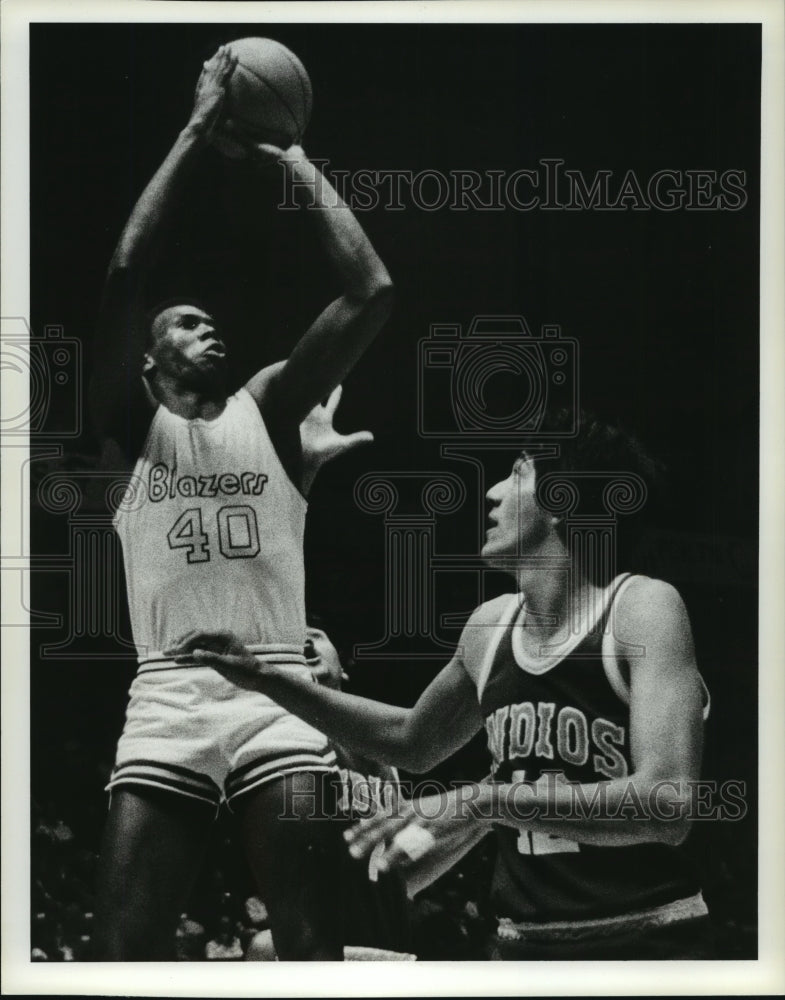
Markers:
(359, 437)
(224, 662)
(368, 833)
(365, 827)
(409, 845)
(181, 644)
(211, 65)
(333, 400)
(266, 152)
(213, 641)
(226, 65)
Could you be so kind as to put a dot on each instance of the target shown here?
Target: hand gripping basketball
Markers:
(269, 97)
(210, 95)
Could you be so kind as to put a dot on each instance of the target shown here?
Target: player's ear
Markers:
(148, 365)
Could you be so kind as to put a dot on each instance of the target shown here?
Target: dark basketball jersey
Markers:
(376, 907)
(568, 717)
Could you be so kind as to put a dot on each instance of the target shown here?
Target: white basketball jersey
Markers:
(212, 533)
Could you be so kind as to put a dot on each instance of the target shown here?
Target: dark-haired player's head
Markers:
(544, 493)
(184, 345)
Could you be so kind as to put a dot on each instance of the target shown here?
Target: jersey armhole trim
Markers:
(156, 418)
(509, 612)
(612, 670)
(244, 395)
(610, 664)
(610, 661)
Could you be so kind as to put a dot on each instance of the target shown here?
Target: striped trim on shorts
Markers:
(263, 770)
(284, 654)
(169, 777)
(173, 722)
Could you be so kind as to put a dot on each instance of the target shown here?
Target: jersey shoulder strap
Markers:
(503, 614)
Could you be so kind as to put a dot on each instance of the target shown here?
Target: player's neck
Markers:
(190, 403)
(556, 593)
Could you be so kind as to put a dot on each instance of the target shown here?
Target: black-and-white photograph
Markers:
(387, 562)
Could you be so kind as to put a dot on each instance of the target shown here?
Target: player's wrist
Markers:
(268, 676)
(297, 164)
(196, 133)
(473, 804)
(295, 154)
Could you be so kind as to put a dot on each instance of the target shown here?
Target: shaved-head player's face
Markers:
(186, 346)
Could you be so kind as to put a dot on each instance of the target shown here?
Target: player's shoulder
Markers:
(645, 602)
(490, 612)
(646, 592)
(479, 625)
(260, 384)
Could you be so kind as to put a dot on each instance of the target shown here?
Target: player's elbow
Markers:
(421, 756)
(669, 810)
(383, 283)
(413, 752)
(380, 293)
(672, 832)
(126, 259)
(375, 288)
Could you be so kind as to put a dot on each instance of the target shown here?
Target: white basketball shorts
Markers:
(190, 731)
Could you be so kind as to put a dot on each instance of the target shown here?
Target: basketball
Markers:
(269, 93)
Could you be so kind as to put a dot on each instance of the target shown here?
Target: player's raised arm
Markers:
(333, 344)
(120, 403)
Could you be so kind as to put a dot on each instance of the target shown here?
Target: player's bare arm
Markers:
(335, 341)
(666, 732)
(121, 403)
(444, 718)
(666, 714)
(319, 439)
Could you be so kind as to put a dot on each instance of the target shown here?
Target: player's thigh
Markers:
(153, 846)
(289, 813)
(294, 843)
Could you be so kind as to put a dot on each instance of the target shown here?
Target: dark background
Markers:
(663, 304)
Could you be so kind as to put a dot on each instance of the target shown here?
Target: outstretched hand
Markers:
(221, 650)
(408, 832)
(321, 442)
